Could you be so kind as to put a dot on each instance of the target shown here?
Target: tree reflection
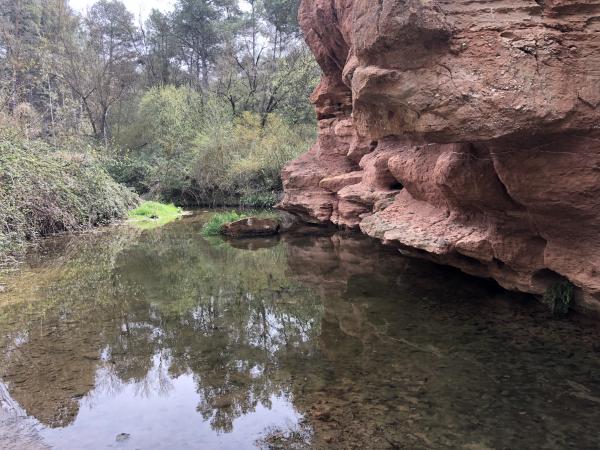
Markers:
(144, 308)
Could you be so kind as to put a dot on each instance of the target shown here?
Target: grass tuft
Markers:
(155, 210)
(154, 214)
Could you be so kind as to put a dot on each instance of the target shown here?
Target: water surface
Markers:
(156, 339)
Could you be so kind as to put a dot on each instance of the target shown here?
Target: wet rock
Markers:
(251, 226)
(288, 221)
(122, 437)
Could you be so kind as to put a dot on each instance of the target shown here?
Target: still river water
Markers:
(160, 339)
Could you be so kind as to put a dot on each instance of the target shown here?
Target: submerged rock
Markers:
(460, 133)
(122, 437)
(251, 226)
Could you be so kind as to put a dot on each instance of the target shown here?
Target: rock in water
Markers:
(122, 437)
(462, 132)
(250, 227)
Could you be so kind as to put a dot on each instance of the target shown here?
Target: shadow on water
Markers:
(166, 340)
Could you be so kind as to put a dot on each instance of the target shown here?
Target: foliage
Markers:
(80, 73)
(243, 160)
(168, 118)
(258, 199)
(128, 169)
(200, 105)
(194, 151)
(45, 190)
(558, 297)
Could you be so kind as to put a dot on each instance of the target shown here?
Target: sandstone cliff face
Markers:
(463, 132)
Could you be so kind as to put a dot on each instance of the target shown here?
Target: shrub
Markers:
(243, 160)
(259, 199)
(165, 122)
(190, 149)
(44, 190)
(127, 169)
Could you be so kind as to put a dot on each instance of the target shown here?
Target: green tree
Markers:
(100, 62)
(197, 28)
(158, 49)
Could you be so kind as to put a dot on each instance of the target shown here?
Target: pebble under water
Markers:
(161, 339)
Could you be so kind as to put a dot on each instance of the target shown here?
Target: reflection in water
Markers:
(327, 341)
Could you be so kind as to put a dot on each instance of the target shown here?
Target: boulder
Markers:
(250, 227)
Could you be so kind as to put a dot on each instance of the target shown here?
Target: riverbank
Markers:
(45, 190)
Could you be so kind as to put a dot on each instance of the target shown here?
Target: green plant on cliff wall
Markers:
(558, 297)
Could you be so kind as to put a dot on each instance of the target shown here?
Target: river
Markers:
(161, 339)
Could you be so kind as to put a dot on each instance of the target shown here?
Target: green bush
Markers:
(124, 168)
(258, 199)
(243, 160)
(44, 190)
(191, 150)
(166, 120)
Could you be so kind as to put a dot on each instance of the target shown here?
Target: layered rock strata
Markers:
(466, 132)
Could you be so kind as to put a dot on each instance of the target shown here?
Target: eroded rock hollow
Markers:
(466, 132)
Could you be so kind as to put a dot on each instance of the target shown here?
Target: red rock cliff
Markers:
(462, 131)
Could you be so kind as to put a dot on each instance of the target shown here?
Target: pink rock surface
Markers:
(463, 132)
